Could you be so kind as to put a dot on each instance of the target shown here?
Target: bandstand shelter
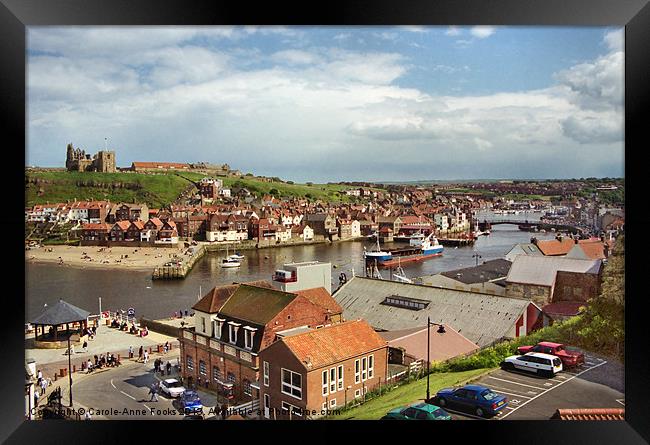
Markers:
(59, 314)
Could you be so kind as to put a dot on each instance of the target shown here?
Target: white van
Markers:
(541, 364)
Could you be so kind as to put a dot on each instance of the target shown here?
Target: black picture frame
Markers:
(15, 15)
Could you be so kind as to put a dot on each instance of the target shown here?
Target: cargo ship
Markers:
(428, 248)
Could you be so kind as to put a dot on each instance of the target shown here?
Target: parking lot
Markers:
(532, 397)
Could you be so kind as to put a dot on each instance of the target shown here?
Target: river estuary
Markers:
(45, 283)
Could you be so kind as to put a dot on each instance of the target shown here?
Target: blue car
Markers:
(477, 399)
(191, 403)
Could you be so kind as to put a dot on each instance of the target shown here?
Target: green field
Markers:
(154, 190)
(326, 192)
(160, 189)
(406, 394)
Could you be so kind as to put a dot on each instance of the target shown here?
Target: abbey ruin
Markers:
(78, 161)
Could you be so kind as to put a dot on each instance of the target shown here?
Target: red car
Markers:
(569, 358)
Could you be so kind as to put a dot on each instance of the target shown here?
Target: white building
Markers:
(307, 275)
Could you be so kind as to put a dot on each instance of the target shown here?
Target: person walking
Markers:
(146, 357)
(85, 346)
(154, 393)
(130, 351)
(43, 386)
(39, 374)
(166, 347)
(169, 368)
(140, 354)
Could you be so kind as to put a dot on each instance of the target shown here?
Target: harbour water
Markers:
(46, 283)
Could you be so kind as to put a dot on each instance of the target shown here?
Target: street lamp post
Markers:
(441, 330)
(477, 256)
(70, 368)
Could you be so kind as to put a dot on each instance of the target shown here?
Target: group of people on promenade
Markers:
(102, 360)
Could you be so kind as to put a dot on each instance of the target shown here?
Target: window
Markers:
(248, 338)
(333, 403)
(295, 411)
(266, 373)
(217, 327)
(231, 377)
(190, 363)
(340, 376)
(232, 332)
(246, 384)
(203, 370)
(364, 369)
(203, 324)
(324, 407)
(410, 413)
(357, 375)
(325, 384)
(333, 380)
(371, 363)
(357, 393)
(216, 373)
(413, 304)
(291, 383)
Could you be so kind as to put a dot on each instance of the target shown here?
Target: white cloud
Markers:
(482, 32)
(453, 31)
(614, 40)
(415, 29)
(301, 108)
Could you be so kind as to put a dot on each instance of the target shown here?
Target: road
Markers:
(123, 393)
(594, 385)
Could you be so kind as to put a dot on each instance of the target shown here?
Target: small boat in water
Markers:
(230, 263)
(237, 256)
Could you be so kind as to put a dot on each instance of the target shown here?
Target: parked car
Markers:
(569, 358)
(480, 400)
(172, 387)
(191, 403)
(541, 364)
(418, 411)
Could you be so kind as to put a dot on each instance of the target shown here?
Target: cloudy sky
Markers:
(334, 103)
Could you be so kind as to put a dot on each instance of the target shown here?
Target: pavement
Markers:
(596, 384)
(123, 392)
(50, 361)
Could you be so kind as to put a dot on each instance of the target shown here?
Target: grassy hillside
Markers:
(155, 190)
(327, 192)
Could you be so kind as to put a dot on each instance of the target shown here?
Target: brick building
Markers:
(232, 324)
(305, 373)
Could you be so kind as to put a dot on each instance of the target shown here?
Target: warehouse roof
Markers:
(542, 270)
(481, 318)
(488, 271)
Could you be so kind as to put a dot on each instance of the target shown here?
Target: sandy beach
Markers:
(128, 258)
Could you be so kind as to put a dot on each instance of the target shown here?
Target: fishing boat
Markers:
(237, 256)
(378, 254)
(429, 248)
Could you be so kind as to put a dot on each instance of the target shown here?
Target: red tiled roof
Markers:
(212, 302)
(321, 297)
(333, 344)
(593, 250)
(161, 164)
(124, 225)
(554, 247)
(138, 224)
(590, 414)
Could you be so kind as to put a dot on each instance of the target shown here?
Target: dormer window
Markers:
(218, 325)
(233, 328)
(249, 332)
